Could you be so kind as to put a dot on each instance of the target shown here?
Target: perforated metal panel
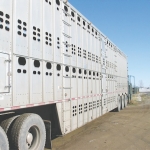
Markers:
(74, 96)
(104, 103)
(79, 41)
(21, 27)
(109, 103)
(60, 115)
(35, 43)
(67, 116)
(21, 81)
(98, 52)
(80, 112)
(80, 99)
(48, 83)
(5, 25)
(66, 82)
(36, 72)
(74, 115)
(73, 47)
(85, 94)
(57, 31)
(80, 84)
(93, 48)
(98, 97)
(48, 32)
(85, 44)
(104, 83)
(5, 47)
(58, 82)
(94, 93)
(89, 47)
(65, 60)
(90, 93)
(66, 36)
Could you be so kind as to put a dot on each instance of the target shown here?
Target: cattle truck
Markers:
(57, 73)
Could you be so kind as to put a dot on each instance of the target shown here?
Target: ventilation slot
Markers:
(74, 111)
(67, 45)
(79, 52)
(58, 43)
(36, 34)
(84, 54)
(89, 56)
(85, 107)
(73, 49)
(48, 2)
(97, 103)
(90, 106)
(22, 29)
(4, 21)
(99, 60)
(94, 104)
(80, 109)
(93, 57)
(49, 67)
(48, 38)
(96, 59)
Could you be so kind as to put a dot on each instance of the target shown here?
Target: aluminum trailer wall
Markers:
(50, 53)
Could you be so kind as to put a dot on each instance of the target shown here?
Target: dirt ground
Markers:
(127, 130)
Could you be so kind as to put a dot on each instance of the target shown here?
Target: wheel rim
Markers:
(33, 138)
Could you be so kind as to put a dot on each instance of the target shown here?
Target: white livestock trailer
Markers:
(57, 73)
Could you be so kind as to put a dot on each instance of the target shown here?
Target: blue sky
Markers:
(127, 24)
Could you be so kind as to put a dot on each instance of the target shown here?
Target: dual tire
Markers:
(126, 100)
(119, 104)
(26, 132)
(4, 145)
(122, 102)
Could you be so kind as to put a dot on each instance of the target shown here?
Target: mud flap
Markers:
(48, 143)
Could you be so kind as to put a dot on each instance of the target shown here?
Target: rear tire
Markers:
(28, 132)
(126, 100)
(7, 123)
(122, 102)
(119, 104)
(4, 145)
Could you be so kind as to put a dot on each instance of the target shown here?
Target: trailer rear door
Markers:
(4, 73)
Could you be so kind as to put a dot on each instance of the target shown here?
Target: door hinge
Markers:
(9, 74)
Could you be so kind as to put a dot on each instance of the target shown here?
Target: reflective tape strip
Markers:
(51, 102)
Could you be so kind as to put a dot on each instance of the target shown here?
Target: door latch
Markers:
(8, 60)
(9, 86)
